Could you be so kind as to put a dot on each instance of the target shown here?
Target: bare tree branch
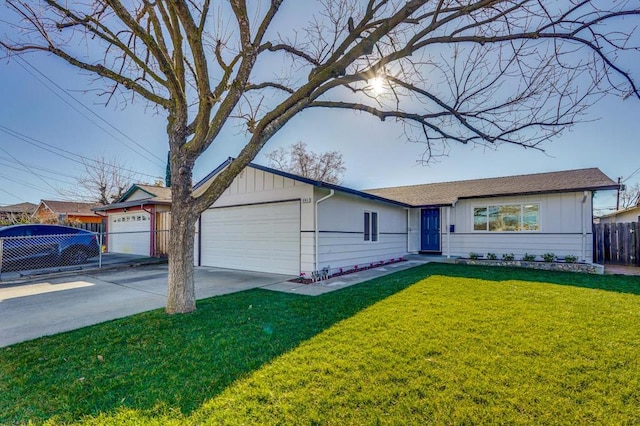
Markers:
(487, 72)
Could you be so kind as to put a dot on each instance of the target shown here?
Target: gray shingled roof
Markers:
(70, 207)
(447, 193)
(19, 208)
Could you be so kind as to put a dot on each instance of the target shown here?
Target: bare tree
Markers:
(467, 71)
(104, 180)
(16, 219)
(297, 159)
(630, 197)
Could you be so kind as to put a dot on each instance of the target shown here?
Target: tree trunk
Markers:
(181, 296)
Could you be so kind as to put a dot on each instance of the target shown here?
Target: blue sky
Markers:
(375, 153)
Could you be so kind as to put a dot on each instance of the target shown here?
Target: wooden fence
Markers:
(93, 227)
(163, 225)
(617, 243)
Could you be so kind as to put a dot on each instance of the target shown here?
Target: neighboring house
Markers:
(138, 223)
(273, 221)
(16, 210)
(631, 214)
(50, 211)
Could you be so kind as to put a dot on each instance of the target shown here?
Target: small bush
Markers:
(474, 256)
(529, 257)
(508, 257)
(570, 258)
(549, 257)
(492, 256)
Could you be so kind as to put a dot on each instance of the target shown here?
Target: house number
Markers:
(306, 201)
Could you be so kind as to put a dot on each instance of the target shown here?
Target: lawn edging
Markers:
(589, 268)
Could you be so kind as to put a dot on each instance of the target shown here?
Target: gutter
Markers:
(315, 219)
(152, 230)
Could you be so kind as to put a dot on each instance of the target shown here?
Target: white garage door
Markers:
(263, 238)
(129, 233)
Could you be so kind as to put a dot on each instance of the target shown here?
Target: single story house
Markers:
(15, 211)
(51, 211)
(630, 214)
(138, 223)
(273, 221)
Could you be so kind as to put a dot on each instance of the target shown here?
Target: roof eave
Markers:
(549, 191)
(312, 182)
(127, 204)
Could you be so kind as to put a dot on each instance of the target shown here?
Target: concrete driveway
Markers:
(52, 305)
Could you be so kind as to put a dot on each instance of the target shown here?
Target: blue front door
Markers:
(430, 230)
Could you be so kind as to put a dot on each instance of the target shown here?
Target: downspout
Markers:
(584, 229)
(315, 219)
(408, 230)
(152, 230)
(453, 206)
(448, 232)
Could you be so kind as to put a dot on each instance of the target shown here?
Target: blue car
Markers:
(27, 246)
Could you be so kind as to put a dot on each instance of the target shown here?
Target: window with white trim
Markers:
(507, 218)
(371, 226)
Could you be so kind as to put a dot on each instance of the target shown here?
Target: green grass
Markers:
(398, 349)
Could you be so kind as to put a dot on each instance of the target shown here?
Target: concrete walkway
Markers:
(326, 286)
(621, 270)
(50, 305)
(45, 305)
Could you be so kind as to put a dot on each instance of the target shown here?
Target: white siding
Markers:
(139, 194)
(341, 237)
(248, 198)
(630, 215)
(253, 186)
(414, 230)
(565, 228)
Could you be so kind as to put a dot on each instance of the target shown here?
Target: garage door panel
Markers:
(262, 238)
(130, 233)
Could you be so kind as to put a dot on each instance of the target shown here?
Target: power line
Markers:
(28, 169)
(632, 174)
(13, 195)
(26, 184)
(54, 150)
(90, 111)
(11, 166)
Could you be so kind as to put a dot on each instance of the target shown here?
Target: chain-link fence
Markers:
(18, 253)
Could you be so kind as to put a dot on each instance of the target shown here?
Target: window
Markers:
(370, 226)
(507, 218)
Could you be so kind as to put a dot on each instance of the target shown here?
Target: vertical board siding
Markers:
(559, 213)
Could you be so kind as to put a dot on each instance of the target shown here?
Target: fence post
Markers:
(1, 249)
(100, 251)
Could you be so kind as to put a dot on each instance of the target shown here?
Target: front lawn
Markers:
(400, 349)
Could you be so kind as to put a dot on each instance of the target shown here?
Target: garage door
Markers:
(263, 238)
(129, 233)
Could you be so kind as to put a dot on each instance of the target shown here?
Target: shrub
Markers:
(492, 256)
(474, 256)
(548, 257)
(529, 257)
(508, 256)
(570, 258)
